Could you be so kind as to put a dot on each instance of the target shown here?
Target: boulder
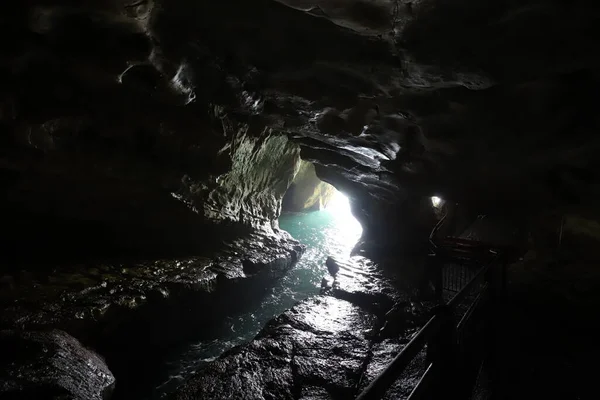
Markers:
(51, 365)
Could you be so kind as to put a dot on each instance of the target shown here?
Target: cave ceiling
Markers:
(487, 103)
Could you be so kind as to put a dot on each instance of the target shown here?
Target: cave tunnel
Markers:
(286, 199)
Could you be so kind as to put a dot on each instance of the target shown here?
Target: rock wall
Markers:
(157, 128)
(135, 312)
(261, 172)
(114, 151)
(102, 186)
(112, 110)
(307, 192)
(396, 223)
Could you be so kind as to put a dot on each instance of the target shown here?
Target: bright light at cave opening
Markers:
(339, 204)
(339, 207)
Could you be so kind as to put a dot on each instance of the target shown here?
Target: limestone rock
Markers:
(307, 192)
(114, 306)
(262, 169)
(111, 111)
(325, 347)
(51, 365)
(364, 284)
(319, 346)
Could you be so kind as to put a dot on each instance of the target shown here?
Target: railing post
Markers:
(497, 283)
(439, 281)
(502, 275)
(441, 350)
(434, 274)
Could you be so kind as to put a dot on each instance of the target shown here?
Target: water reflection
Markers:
(333, 231)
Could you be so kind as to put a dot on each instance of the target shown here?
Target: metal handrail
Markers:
(422, 386)
(380, 385)
(463, 292)
(435, 229)
(472, 307)
(388, 376)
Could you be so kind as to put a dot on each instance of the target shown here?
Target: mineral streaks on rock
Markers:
(51, 364)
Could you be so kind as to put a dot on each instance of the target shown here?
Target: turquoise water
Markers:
(333, 231)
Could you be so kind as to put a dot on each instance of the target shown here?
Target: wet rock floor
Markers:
(132, 313)
(74, 296)
(329, 346)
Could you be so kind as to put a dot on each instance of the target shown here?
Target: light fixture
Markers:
(437, 202)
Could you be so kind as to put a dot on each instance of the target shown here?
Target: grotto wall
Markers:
(115, 109)
(307, 192)
(161, 128)
(106, 150)
(250, 194)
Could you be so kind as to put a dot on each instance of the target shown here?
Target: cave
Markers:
(285, 199)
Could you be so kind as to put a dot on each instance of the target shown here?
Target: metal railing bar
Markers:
(457, 278)
(388, 376)
(459, 296)
(472, 308)
(423, 384)
(435, 229)
(381, 384)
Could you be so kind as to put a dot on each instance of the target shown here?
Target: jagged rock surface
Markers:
(326, 347)
(320, 342)
(108, 109)
(75, 296)
(125, 309)
(51, 365)
(307, 192)
(164, 126)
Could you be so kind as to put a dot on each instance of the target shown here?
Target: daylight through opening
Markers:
(319, 216)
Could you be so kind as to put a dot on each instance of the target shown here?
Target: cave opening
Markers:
(324, 223)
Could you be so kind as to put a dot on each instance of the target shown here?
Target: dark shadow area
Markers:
(31, 238)
(548, 332)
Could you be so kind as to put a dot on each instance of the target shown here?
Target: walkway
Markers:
(543, 341)
(546, 344)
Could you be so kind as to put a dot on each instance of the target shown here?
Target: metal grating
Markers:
(455, 277)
